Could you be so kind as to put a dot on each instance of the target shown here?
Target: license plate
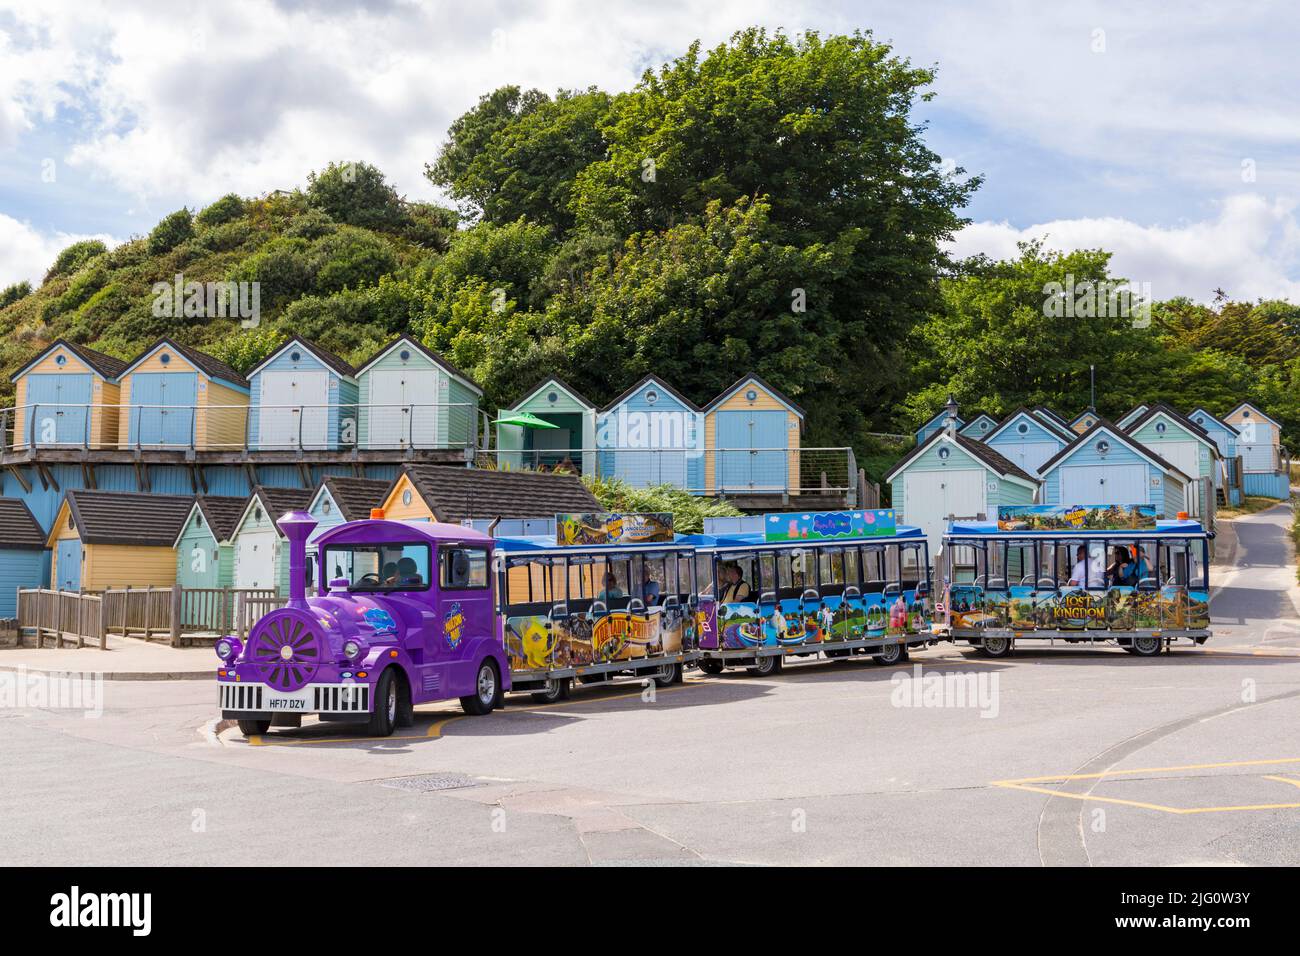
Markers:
(286, 702)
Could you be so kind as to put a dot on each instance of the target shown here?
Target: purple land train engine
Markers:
(408, 618)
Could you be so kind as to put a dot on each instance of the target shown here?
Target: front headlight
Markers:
(228, 648)
(352, 650)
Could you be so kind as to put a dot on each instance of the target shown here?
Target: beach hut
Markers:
(1045, 413)
(952, 476)
(1132, 415)
(1188, 447)
(572, 440)
(302, 396)
(174, 396)
(1227, 478)
(979, 426)
(114, 539)
(1084, 420)
(412, 397)
(261, 554)
(1106, 466)
(24, 556)
(1260, 446)
(938, 421)
(652, 435)
(205, 549)
(1028, 440)
(455, 495)
(751, 440)
(65, 396)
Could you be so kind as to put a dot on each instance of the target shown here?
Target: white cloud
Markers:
(1251, 248)
(25, 252)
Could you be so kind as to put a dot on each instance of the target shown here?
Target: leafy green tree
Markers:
(517, 154)
(226, 209)
(12, 293)
(357, 194)
(1023, 332)
(246, 349)
(350, 258)
(171, 231)
(282, 268)
(74, 257)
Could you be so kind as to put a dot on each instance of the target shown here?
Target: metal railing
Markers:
(700, 471)
(307, 427)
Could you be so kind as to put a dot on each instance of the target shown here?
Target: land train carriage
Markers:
(409, 620)
(594, 612)
(1076, 575)
(841, 583)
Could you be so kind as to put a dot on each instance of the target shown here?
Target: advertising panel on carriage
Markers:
(810, 582)
(1078, 573)
(611, 595)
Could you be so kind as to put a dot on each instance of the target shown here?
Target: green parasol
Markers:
(524, 420)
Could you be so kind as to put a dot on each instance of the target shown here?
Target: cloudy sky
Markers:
(1167, 134)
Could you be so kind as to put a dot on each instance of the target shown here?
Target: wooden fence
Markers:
(179, 616)
(62, 618)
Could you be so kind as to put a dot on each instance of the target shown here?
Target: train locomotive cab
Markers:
(405, 618)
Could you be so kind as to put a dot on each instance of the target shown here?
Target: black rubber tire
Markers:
(1146, 646)
(556, 690)
(383, 719)
(405, 706)
(484, 697)
(712, 665)
(672, 674)
(765, 666)
(893, 654)
(254, 728)
(998, 648)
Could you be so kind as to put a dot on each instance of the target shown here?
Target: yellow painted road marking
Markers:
(1027, 784)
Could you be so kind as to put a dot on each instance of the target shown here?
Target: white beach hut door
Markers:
(294, 407)
(404, 409)
(255, 560)
(1103, 484)
(929, 497)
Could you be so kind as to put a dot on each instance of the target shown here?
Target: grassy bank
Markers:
(1248, 506)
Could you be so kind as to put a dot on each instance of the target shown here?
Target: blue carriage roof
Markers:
(989, 529)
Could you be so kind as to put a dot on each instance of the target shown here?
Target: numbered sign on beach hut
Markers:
(177, 397)
(114, 539)
(412, 397)
(24, 556)
(67, 396)
(303, 396)
(751, 440)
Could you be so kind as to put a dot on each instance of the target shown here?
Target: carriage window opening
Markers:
(1174, 565)
(961, 562)
(891, 566)
(851, 566)
(995, 571)
(832, 566)
(1128, 564)
(911, 567)
(766, 571)
(704, 571)
(1020, 563)
(1046, 569)
(738, 579)
(873, 567)
(616, 583)
(462, 569)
